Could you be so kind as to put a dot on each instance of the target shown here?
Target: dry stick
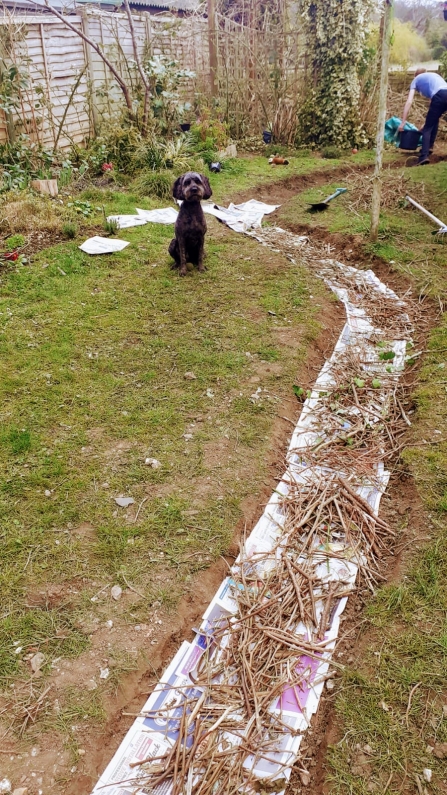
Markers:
(139, 509)
(413, 690)
(403, 412)
(365, 505)
(310, 580)
(326, 611)
(131, 588)
(183, 729)
(303, 611)
(69, 101)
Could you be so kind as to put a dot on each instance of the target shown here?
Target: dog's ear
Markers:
(177, 189)
(208, 192)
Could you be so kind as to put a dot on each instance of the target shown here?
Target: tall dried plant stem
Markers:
(147, 90)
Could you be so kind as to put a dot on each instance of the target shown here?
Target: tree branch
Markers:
(140, 68)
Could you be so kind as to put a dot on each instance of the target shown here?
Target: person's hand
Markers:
(401, 127)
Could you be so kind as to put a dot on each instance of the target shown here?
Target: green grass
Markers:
(405, 240)
(76, 709)
(93, 356)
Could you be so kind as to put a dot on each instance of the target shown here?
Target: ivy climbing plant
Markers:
(335, 32)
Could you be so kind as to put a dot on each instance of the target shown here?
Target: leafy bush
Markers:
(443, 66)
(209, 132)
(165, 76)
(117, 146)
(69, 230)
(147, 154)
(177, 154)
(276, 149)
(331, 153)
(151, 183)
(302, 151)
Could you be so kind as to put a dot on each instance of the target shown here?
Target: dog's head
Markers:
(191, 187)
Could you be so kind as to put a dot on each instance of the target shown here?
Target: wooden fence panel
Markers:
(71, 92)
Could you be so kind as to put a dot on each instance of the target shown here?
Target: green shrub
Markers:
(276, 149)
(209, 156)
(443, 65)
(331, 153)
(148, 154)
(177, 154)
(117, 146)
(69, 230)
(302, 151)
(111, 226)
(154, 183)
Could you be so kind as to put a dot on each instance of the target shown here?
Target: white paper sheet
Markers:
(241, 217)
(166, 216)
(103, 245)
(126, 221)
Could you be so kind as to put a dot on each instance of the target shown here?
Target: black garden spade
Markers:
(320, 207)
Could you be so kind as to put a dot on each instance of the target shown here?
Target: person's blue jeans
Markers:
(438, 106)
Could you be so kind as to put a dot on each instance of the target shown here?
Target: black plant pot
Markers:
(267, 137)
(185, 127)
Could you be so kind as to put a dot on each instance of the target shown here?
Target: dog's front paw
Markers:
(202, 268)
(182, 271)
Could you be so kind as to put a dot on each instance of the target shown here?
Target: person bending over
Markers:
(433, 87)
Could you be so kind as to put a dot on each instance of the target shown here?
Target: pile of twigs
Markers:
(284, 607)
(395, 186)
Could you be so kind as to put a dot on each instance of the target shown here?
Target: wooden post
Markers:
(211, 5)
(386, 30)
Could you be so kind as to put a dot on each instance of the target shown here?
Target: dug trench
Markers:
(400, 501)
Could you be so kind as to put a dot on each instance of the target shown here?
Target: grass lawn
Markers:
(108, 361)
(105, 362)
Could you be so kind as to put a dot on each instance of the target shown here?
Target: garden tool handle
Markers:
(337, 193)
(426, 212)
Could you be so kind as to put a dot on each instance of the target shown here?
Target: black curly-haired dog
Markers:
(190, 226)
